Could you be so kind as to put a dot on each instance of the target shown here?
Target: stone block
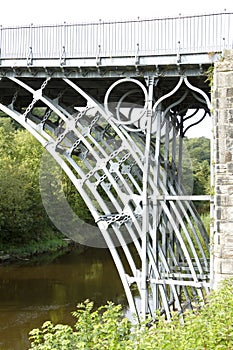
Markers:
(225, 199)
(225, 117)
(221, 131)
(229, 92)
(227, 250)
(228, 156)
(225, 227)
(218, 266)
(227, 267)
(223, 77)
(220, 170)
(228, 55)
(223, 181)
(224, 267)
(229, 141)
(227, 214)
(225, 103)
(230, 168)
(230, 238)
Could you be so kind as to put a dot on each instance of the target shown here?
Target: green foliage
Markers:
(205, 218)
(104, 328)
(211, 327)
(23, 218)
(22, 215)
(199, 152)
(50, 243)
(198, 148)
(76, 202)
(210, 76)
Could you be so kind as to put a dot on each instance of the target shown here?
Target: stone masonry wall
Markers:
(222, 101)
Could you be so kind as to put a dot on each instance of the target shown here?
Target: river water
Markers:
(39, 290)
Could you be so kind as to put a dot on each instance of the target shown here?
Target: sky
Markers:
(17, 12)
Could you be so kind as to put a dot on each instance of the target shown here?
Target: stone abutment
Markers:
(222, 101)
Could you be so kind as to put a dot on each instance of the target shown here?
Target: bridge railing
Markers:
(160, 36)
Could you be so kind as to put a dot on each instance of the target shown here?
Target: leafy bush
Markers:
(101, 329)
(22, 215)
(105, 328)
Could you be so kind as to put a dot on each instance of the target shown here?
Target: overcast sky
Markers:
(16, 12)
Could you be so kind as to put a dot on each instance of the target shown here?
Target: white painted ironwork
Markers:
(131, 180)
(137, 39)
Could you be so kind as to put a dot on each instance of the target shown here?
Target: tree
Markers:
(22, 215)
(198, 148)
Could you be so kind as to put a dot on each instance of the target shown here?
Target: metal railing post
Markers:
(145, 202)
(63, 52)
(30, 50)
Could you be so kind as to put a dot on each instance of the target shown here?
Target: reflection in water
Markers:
(33, 293)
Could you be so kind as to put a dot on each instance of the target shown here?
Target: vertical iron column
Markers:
(145, 204)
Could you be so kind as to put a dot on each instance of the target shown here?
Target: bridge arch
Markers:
(130, 178)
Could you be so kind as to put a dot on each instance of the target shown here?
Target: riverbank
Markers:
(49, 244)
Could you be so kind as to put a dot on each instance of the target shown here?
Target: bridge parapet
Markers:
(181, 40)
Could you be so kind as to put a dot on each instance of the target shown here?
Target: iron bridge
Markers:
(111, 103)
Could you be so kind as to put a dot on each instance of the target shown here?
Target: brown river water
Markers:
(39, 290)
